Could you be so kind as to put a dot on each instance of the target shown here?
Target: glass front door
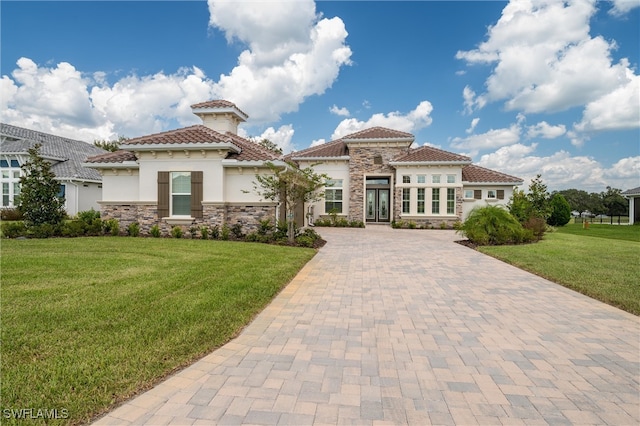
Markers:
(377, 205)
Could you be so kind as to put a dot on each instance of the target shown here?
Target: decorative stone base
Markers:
(249, 216)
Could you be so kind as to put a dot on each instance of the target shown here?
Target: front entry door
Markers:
(377, 205)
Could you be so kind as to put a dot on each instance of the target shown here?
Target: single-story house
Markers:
(204, 175)
(634, 204)
(80, 186)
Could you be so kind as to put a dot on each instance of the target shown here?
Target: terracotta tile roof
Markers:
(190, 135)
(633, 191)
(431, 154)
(251, 151)
(220, 103)
(378, 133)
(336, 148)
(113, 157)
(476, 174)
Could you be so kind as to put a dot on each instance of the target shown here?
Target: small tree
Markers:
(290, 185)
(560, 211)
(271, 146)
(112, 145)
(39, 199)
(539, 198)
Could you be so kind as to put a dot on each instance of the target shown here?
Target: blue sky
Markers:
(524, 88)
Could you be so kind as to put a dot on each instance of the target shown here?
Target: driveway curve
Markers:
(389, 326)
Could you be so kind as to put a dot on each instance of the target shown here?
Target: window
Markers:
(435, 179)
(468, 193)
(406, 200)
(180, 194)
(10, 178)
(451, 178)
(422, 178)
(451, 200)
(421, 200)
(435, 201)
(491, 193)
(333, 196)
(406, 179)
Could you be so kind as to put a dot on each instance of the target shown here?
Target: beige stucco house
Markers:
(204, 174)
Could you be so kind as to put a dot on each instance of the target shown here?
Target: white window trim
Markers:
(178, 218)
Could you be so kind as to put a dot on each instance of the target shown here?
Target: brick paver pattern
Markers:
(389, 326)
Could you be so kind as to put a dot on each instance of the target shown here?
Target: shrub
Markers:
(560, 211)
(537, 226)
(215, 232)
(265, 227)
(493, 225)
(225, 232)
(43, 230)
(10, 213)
(176, 232)
(155, 231)
(74, 228)
(88, 216)
(236, 230)
(204, 232)
(193, 231)
(112, 226)
(133, 230)
(14, 229)
(304, 241)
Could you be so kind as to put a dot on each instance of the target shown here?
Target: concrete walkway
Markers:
(406, 327)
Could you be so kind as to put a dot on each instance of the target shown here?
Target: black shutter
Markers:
(477, 194)
(500, 193)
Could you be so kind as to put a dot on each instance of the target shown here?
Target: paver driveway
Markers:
(406, 327)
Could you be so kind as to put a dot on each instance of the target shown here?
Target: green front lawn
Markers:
(89, 322)
(602, 261)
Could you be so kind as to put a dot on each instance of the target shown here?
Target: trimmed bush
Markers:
(133, 230)
(13, 229)
(176, 232)
(560, 211)
(155, 231)
(493, 225)
(112, 226)
(204, 232)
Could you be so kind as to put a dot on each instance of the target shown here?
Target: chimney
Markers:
(220, 115)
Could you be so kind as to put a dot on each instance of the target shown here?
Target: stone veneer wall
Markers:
(361, 162)
(212, 215)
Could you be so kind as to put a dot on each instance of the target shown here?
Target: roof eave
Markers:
(340, 158)
(429, 163)
(181, 146)
(493, 183)
(379, 140)
(114, 165)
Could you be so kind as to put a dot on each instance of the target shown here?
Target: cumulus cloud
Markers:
(546, 131)
(622, 7)
(561, 170)
(292, 54)
(494, 138)
(416, 119)
(545, 61)
(343, 112)
(282, 137)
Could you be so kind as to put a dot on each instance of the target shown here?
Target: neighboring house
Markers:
(634, 204)
(204, 175)
(81, 186)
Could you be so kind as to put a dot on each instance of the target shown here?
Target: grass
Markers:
(602, 262)
(90, 322)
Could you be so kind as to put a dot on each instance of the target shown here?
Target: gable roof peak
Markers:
(378, 132)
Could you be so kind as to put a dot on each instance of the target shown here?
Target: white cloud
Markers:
(317, 142)
(561, 170)
(343, 112)
(494, 138)
(417, 119)
(618, 109)
(546, 131)
(474, 123)
(281, 137)
(545, 60)
(622, 7)
(292, 54)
